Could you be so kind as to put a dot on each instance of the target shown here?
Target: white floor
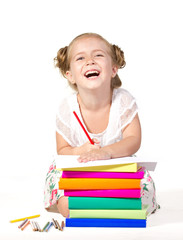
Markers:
(18, 200)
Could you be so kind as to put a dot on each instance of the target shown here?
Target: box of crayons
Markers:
(104, 196)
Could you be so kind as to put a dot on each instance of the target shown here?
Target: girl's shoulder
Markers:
(122, 96)
(66, 103)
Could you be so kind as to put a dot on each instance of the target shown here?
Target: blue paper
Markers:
(96, 222)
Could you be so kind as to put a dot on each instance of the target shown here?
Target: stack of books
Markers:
(104, 196)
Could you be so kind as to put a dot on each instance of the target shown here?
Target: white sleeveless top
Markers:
(123, 110)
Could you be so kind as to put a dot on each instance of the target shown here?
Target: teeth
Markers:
(91, 72)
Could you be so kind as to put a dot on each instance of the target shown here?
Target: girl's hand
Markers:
(87, 147)
(94, 154)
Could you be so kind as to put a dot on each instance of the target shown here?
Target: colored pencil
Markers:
(62, 226)
(32, 225)
(58, 225)
(25, 225)
(22, 219)
(54, 223)
(45, 226)
(49, 226)
(75, 114)
(37, 226)
(21, 225)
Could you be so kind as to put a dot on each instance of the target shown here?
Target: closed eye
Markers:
(99, 55)
(79, 58)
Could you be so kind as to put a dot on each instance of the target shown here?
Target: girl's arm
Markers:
(126, 147)
(130, 143)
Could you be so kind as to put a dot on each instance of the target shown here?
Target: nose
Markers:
(90, 61)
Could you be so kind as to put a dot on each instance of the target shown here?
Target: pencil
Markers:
(54, 223)
(21, 225)
(45, 226)
(62, 225)
(75, 114)
(25, 225)
(58, 226)
(37, 227)
(49, 226)
(22, 219)
(33, 227)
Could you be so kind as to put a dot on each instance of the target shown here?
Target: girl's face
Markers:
(91, 65)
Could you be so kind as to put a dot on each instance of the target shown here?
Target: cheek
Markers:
(76, 67)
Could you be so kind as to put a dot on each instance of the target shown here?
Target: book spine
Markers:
(76, 174)
(115, 193)
(98, 183)
(87, 222)
(104, 203)
(116, 214)
(130, 167)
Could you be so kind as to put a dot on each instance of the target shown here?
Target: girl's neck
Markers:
(94, 100)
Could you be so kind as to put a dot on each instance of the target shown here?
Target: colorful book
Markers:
(98, 183)
(115, 193)
(104, 203)
(116, 214)
(76, 174)
(104, 222)
(131, 167)
(68, 162)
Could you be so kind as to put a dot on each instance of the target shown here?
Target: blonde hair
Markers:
(62, 61)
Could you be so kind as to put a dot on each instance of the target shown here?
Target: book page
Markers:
(70, 161)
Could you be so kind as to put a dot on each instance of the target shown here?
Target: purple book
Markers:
(76, 174)
(115, 193)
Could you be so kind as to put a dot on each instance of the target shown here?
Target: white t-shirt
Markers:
(123, 110)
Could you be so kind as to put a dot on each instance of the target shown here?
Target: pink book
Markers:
(116, 193)
(76, 174)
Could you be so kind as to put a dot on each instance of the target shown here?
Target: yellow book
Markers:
(124, 164)
(130, 167)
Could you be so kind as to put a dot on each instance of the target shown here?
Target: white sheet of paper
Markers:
(70, 161)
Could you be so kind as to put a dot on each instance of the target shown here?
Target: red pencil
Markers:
(83, 128)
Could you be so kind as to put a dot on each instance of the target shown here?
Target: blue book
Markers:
(101, 222)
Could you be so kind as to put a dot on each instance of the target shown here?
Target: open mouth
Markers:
(92, 74)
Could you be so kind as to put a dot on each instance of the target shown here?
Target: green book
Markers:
(118, 214)
(104, 203)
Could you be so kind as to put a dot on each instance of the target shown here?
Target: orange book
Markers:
(98, 183)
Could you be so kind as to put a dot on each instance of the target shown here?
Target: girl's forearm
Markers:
(123, 148)
(69, 151)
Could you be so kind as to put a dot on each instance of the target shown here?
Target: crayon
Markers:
(22, 219)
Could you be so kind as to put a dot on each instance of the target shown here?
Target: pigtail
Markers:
(119, 58)
(61, 61)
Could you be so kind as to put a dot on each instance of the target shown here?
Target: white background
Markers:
(149, 32)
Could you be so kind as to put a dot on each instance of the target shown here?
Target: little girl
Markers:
(110, 114)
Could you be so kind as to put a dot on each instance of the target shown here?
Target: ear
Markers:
(114, 71)
(70, 77)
